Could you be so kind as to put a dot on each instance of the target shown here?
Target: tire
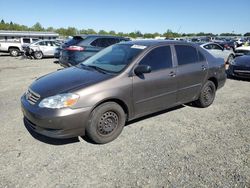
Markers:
(207, 95)
(230, 59)
(106, 123)
(14, 52)
(38, 55)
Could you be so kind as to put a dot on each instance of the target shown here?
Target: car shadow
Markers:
(54, 141)
(154, 115)
(4, 55)
(48, 140)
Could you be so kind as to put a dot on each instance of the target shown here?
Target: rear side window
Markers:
(186, 54)
(159, 58)
(104, 42)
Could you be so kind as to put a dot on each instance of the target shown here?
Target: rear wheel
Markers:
(207, 95)
(14, 52)
(38, 55)
(106, 123)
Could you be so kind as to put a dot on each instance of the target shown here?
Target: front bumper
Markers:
(55, 123)
(239, 71)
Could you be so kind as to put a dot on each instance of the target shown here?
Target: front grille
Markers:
(32, 97)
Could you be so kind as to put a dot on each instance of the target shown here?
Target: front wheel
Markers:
(207, 95)
(106, 123)
(38, 55)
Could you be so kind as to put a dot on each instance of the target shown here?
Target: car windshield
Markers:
(114, 58)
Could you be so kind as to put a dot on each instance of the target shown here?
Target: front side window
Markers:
(158, 58)
(42, 43)
(186, 54)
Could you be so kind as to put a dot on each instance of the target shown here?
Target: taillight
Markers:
(75, 48)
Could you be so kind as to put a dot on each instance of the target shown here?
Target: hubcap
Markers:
(14, 53)
(107, 123)
(208, 95)
(39, 55)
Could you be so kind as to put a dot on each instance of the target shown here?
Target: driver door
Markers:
(156, 90)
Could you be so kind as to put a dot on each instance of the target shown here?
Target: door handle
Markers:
(203, 67)
(172, 74)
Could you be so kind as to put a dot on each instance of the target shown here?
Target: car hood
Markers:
(243, 61)
(65, 80)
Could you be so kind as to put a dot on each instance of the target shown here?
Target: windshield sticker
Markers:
(139, 47)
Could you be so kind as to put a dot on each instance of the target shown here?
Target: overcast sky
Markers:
(184, 16)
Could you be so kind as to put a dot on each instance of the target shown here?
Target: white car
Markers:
(218, 51)
(243, 50)
(42, 48)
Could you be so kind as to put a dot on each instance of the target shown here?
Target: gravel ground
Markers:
(181, 147)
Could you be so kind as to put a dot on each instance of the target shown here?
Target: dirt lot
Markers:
(182, 147)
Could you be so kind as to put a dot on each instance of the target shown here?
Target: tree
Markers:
(112, 32)
(102, 32)
(51, 29)
(2, 21)
(37, 27)
(247, 34)
(148, 35)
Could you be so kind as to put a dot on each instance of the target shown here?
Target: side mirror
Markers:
(141, 69)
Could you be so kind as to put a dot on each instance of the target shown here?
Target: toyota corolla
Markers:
(120, 83)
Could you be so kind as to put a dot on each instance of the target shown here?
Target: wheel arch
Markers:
(214, 80)
(13, 47)
(119, 102)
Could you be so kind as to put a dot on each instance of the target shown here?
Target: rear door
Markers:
(47, 48)
(156, 90)
(191, 72)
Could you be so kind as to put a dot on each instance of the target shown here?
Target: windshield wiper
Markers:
(97, 68)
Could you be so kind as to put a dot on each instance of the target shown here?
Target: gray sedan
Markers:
(122, 82)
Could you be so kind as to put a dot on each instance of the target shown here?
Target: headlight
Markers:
(59, 101)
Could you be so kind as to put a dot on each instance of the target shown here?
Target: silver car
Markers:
(218, 51)
(42, 48)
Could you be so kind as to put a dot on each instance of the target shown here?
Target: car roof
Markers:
(96, 36)
(210, 43)
(155, 42)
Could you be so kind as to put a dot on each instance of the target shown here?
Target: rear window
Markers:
(25, 40)
(74, 41)
(186, 54)
(104, 42)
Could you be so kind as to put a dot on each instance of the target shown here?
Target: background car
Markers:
(228, 44)
(218, 51)
(81, 47)
(42, 48)
(240, 67)
(243, 50)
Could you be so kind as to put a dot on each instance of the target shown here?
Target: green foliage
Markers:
(70, 31)
(37, 27)
(171, 34)
(247, 34)
(229, 34)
